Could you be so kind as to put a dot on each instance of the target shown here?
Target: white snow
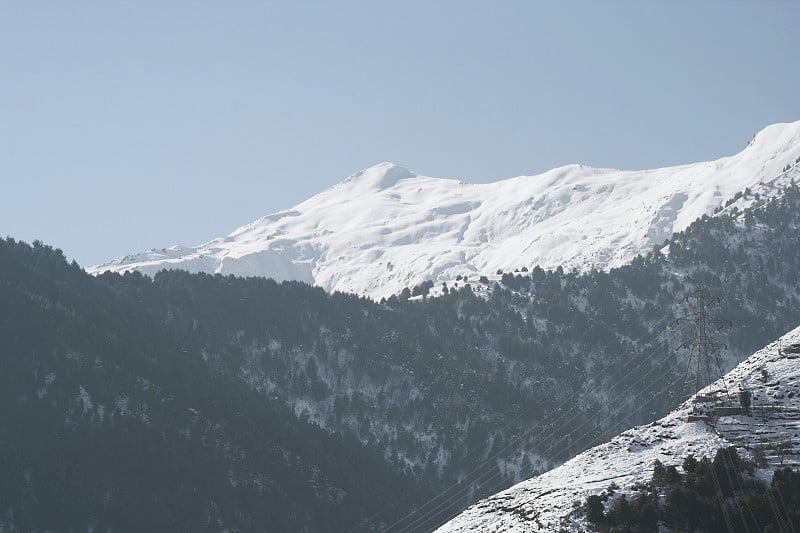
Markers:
(386, 228)
(548, 502)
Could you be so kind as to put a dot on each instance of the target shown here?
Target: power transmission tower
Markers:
(704, 363)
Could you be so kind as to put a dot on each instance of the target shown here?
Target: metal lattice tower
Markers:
(704, 364)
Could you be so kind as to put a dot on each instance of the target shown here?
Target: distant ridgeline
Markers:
(139, 403)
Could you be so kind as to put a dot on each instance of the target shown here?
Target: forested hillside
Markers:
(551, 362)
(110, 421)
(475, 389)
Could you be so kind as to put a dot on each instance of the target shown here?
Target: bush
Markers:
(594, 509)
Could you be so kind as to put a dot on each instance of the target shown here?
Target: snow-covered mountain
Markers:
(710, 420)
(386, 228)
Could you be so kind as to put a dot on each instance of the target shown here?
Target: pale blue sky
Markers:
(125, 126)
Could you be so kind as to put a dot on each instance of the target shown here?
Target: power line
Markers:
(610, 430)
(456, 490)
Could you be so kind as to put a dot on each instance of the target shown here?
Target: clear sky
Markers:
(131, 125)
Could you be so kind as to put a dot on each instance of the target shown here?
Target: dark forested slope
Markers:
(111, 421)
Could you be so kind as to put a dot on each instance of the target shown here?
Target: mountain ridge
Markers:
(386, 228)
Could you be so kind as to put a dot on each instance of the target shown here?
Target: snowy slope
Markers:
(547, 502)
(386, 228)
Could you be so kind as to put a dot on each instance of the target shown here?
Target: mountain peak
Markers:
(381, 176)
(779, 136)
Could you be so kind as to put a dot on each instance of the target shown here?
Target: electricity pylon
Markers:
(704, 364)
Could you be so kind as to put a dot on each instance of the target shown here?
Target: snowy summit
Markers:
(386, 228)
